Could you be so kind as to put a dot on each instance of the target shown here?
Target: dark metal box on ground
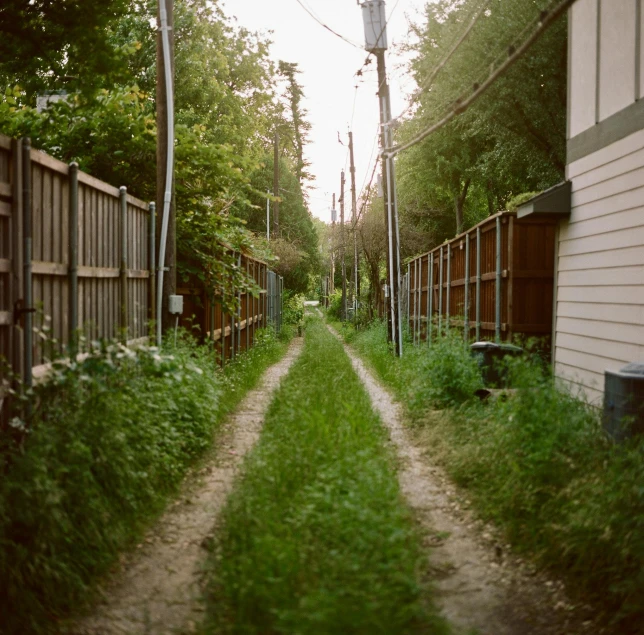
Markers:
(624, 402)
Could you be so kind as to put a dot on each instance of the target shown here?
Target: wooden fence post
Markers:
(124, 308)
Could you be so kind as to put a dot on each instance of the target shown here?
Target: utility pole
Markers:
(355, 287)
(334, 216)
(343, 249)
(375, 25)
(276, 185)
(170, 264)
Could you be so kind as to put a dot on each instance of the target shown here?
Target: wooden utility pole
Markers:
(391, 213)
(276, 185)
(355, 278)
(170, 275)
(343, 249)
(333, 214)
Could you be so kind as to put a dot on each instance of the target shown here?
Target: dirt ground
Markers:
(158, 588)
(480, 587)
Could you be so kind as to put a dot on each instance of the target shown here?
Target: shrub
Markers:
(110, 440)
(450, 375)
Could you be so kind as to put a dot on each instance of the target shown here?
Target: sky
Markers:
(329, 65)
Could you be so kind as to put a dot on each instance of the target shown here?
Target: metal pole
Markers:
(408, 294)
(212, 321)
(449, 285)
(27, 269)
(430, 297)
(153, 260)
(478, 284)
(124, 308)
(248, 296)
(467, 287)
(73, 259)
(268, 216)
(419, 297)
(222, 339)
(394, 334)
(497, 327)
(343, 253)
(440, 293)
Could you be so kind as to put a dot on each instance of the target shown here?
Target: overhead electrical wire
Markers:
(439, 67)
(326, 26)
(546, 19)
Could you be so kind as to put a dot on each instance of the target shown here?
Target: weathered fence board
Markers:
(494, 281)
(90, 269)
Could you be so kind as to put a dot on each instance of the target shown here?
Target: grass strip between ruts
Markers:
(316, 537)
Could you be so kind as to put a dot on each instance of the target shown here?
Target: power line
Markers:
(326, 26)
(546, 19)
(439, 67)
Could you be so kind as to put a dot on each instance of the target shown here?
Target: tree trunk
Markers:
(459, 204)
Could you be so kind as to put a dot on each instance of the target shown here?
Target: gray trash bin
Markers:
(489, 356)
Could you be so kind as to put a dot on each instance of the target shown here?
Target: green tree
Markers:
(511, 141)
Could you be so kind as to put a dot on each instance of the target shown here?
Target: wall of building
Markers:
(599, 311)
(600, 282)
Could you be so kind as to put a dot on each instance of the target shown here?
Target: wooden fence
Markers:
(234, 333)
(494, 281)
(77, 256)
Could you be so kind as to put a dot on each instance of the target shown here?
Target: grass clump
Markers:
(540, 466)
(315, 538)
(110, 439)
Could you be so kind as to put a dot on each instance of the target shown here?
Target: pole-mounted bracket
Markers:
(19, 311)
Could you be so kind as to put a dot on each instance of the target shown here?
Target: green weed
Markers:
(110, 440)
(315, 538)
(537, 464)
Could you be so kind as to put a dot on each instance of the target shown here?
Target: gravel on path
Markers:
(479, 586)
(158, 589)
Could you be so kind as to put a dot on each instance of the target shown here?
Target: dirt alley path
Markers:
(158, 590)
(479, 587)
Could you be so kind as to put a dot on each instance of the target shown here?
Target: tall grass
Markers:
(315, 538)
(537, 464)
(110, 440)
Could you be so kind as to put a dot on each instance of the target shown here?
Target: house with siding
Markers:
(598, 321)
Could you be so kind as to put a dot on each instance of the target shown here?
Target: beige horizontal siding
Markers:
(586, 385)
(622, 352)
(610, 205)
(606, 313)
(601, 225)
(610, 258)
(609, 240)
(614, 276)
(614, 152)
(600, 267)
(605, 295)
(631, 180)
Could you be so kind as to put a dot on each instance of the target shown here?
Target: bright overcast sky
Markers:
(329, 66)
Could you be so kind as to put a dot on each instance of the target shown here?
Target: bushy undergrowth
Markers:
(538, 464)
(110, 439)
(315, 538)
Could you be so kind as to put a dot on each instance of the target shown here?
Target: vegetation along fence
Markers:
(494, 281)
(78, 256)
(233, 333)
